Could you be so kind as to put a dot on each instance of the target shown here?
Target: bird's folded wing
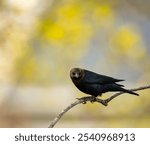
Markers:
(94, 78)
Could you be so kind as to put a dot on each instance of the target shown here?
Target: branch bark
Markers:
(83, 100)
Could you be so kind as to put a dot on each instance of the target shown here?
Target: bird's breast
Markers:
(92, 89)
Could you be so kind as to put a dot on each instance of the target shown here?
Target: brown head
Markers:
(76, 74)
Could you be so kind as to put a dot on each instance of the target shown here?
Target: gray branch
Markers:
(83, 100)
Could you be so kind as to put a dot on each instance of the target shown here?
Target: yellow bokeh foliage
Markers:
(127, 41)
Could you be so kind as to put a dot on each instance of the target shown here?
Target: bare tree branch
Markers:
(83, 100)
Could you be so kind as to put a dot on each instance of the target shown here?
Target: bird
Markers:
(96, 84)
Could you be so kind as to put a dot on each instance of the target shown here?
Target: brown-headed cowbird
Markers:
(96, 84)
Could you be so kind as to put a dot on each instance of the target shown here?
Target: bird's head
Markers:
(76, 73)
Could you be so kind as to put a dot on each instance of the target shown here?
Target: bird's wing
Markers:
(92, 77)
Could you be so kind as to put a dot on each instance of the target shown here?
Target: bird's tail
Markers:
(130, 92)
(127, 91)
(117, 87)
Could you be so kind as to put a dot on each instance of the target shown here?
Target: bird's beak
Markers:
(76, 75)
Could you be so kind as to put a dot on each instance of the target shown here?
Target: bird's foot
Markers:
(93, 99)
(105, 102)
(83, 98)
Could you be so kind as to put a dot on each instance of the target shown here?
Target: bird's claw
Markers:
(93, 100)
(105, 102)
(84, 101)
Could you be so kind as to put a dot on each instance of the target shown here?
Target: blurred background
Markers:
(40, 41)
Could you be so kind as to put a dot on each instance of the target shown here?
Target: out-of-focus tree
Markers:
(64, 33)
(41, 40)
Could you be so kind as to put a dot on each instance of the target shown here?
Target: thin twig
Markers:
(83, 100)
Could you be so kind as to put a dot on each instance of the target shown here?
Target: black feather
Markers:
(96, 84)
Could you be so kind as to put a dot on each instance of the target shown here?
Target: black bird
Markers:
(96, 84)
